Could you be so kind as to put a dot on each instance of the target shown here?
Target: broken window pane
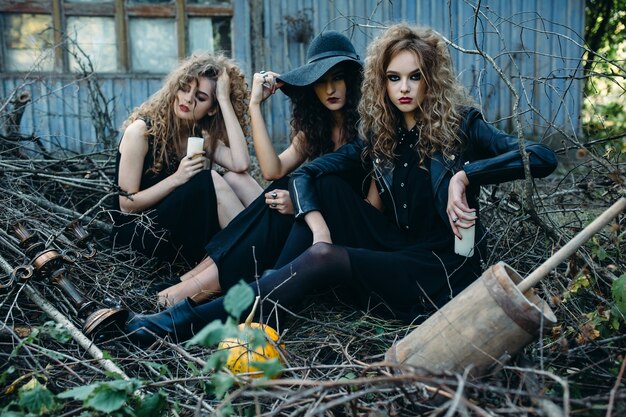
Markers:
(28, 42)
(209, 35)
(153, 44)
(221, 35)
(95, 36)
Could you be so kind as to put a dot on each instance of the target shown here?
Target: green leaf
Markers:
(271, 367)
(618, 291)
(221, 383)
(211, 334)
(56, 332)
(151, 406)
(107, 400)
(161, 368)
(5, 375)
(127, 385)
(227, 411)
(581, 281)
(216, 361)
(601, 253)
(238, 298)
(254, 337)
(104, 396)
(37, 400)
(348, 377)
(79, 393)
(5, 412)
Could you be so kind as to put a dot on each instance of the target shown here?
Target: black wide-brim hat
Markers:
(326, 50)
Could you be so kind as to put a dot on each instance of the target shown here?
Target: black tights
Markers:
(299, 240)
(321, 266)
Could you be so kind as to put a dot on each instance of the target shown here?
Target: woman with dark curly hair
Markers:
(171, 203)
(428, 152)
(324, 94)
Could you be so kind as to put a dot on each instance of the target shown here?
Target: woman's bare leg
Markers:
(200, 284)
(228, 204)
(244, 186)
(202, 265)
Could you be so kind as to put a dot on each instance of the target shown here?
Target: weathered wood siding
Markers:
(537, 44)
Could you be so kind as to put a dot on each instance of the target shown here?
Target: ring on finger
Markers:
(273, 205)
(262, 72)
(456, 219)
(274, 195)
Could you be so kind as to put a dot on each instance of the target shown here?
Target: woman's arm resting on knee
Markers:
(318, 226)
(459, 212)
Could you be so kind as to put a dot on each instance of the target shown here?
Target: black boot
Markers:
(180, 322)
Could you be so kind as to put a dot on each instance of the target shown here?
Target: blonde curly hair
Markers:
(165, 127)
(439, 113)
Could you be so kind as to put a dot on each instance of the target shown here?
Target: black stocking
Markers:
(300, 238)
(322, 266)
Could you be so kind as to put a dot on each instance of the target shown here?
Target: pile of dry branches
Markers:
(334, 355)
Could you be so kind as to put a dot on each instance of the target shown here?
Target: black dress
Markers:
(179, 225)
(400, 261)
(403, 265)
(253, 241)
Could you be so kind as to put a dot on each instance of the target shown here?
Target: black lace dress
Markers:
(177, 227)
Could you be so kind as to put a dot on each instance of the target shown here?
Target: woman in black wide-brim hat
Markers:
(324, 93)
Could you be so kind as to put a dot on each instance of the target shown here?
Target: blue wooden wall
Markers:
(537, 44)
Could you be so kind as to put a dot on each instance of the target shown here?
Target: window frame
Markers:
(121, 11)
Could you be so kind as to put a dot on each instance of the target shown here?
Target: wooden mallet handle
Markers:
(572, 246)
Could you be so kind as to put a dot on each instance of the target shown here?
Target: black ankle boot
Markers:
(180, 322)
(268, 272)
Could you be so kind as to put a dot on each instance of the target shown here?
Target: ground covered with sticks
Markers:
(334, 357)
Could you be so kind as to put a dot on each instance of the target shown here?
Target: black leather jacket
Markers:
(489, 156)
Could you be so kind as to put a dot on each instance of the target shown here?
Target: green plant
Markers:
(237, 300)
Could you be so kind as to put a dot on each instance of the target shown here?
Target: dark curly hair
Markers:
(312, 118)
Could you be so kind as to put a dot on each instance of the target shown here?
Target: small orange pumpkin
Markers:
(241, 354)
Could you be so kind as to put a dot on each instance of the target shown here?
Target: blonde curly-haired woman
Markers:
(171, 204)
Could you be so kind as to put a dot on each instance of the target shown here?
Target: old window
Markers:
(116, 35)
(93, 37)
(152, 44)
(27, 41)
